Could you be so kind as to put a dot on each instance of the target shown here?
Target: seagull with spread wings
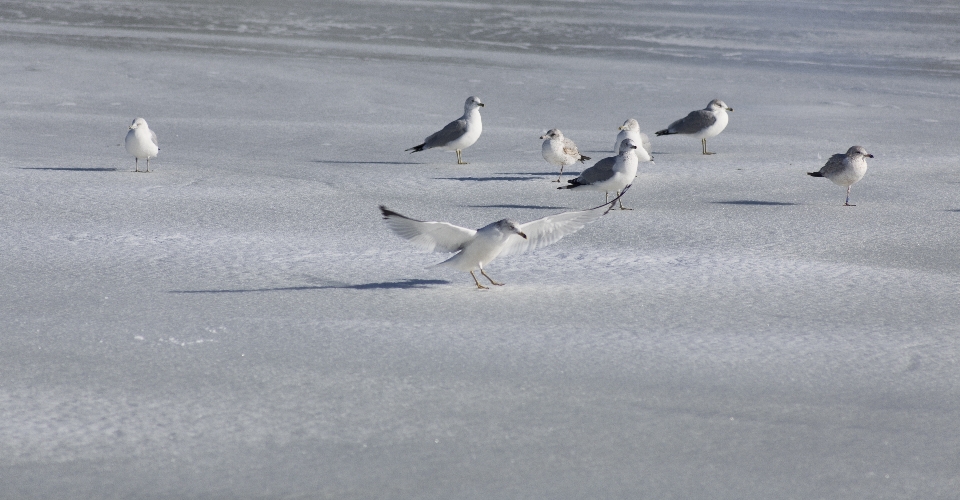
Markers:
(476, 248)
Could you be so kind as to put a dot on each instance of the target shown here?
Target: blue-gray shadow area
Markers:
(368, 162)
(756, 203)
(533, 207)
(483, 179)
(72, 169)
(402, 284)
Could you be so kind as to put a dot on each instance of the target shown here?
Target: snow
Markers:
(240, 323)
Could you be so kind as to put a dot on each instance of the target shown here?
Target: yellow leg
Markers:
(460, 159)
(489, 278)
(704, 140)
(474, 276)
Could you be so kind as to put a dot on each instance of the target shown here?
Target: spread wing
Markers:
(693, 123)
(430, 236)
(551, 229)
(453, 131)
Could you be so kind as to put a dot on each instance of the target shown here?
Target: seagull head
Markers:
(510, 227)
(717, 105)
(137, 123)
(627, 145)
(473, 102)
(630, 124)
(552, 134)
(859, 151)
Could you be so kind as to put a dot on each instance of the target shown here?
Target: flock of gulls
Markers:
(475, 248)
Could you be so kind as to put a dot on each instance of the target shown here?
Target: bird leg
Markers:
(620, 199)
(561, 174)
(489, 278)
(704, 140)
(136, 164)
(148, 164)
(847, 203)
(460, 159)
(474, 276)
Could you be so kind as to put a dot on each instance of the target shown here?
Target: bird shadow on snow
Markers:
(534, 207)
(754, 202)
(495, 178)
(72, 169)
(402, 284)
(367, 162)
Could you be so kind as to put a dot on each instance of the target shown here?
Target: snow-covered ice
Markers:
(239, 323)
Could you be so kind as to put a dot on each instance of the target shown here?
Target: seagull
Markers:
(702, 124)
(458, 134)
(631, 129)
(141, 142)
(560, 150)
(476, 248)
(845, 169)
(613, 173)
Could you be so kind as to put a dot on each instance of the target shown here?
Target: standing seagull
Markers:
(141, 142)
(845, 169)
(458, 134)
(702, 124)
(560, 150)
(613, 173)
(631, 129)
(476, 248)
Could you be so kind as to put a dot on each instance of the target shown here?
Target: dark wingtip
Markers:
(387, 212)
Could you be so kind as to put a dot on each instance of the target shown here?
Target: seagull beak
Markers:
(521, 234)
(480, 104)
(543, 137)
(730, 110)
(622, 127)
(869, 156)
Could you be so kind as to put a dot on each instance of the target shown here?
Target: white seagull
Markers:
(141, 142)
(561, 151)
(613, 173)
(631, 130)
(702, 124)
(476, 248)
(458, 134)
(845, 169)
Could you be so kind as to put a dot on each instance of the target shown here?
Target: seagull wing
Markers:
(453, 131)
(694, 122)
(430, 236)
(570, 148)
(834, 165)
(550, 229)
(153, 137)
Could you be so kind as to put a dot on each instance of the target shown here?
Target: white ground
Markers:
(239, 323)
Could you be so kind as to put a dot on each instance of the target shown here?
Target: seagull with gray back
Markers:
(458, 134)
(845, 169)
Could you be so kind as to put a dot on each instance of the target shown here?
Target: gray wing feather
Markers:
(153, 137)
(693, 123)
(446, 135)
(599, 172)
(834, 165)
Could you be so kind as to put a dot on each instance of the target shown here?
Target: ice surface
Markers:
(239, 323)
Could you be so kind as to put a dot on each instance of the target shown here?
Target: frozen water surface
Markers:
(239, 323)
